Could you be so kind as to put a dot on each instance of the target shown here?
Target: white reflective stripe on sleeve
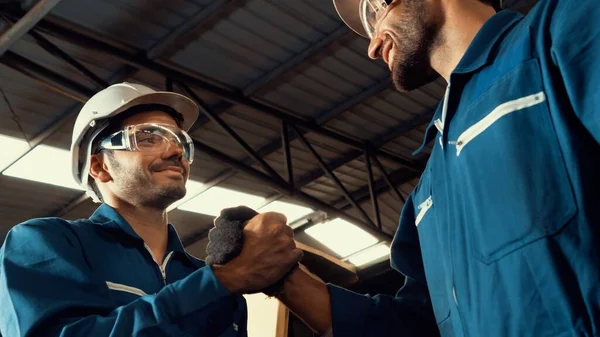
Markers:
(124, 288)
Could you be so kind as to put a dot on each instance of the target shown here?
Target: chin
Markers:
(163, 197)
(413, 76)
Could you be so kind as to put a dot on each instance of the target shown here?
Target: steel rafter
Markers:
(197, 21)
(26, 23)
(229, 131)
(398, 177)
(387, 179)
(333, 177)
(374, 201)
(287, 154)
(342, 160)
(52, 80)
(59, 53)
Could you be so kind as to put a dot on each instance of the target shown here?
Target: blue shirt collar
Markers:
(477, 55)
(108, 217)
(480, 50)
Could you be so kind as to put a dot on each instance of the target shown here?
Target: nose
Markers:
(375, 47)
(173, 152)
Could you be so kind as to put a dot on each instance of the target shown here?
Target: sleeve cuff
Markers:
(349, 311)
(200, 289)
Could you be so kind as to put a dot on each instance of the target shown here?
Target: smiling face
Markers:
(150, 179)
(405, 38)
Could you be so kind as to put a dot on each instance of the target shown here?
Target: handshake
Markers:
(251, 252)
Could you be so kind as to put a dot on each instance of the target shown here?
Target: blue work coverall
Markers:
(501, 237)
(96, 277)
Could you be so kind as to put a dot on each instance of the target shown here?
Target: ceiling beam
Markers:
(197, 21)
(26, 23)
(398, 178)
(48, 78)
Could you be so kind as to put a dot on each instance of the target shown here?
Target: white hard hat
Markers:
(94, 118)
(349, 12)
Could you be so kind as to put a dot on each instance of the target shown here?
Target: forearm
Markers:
(308, 298)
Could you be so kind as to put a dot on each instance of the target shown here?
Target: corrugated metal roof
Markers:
(35, 106)
(121, 18)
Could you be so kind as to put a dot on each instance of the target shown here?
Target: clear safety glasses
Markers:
(371, 12)
(150, 138)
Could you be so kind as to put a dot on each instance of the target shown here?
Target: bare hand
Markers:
(268, 253)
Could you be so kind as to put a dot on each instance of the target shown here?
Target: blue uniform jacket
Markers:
(96, 277)
(501, 237)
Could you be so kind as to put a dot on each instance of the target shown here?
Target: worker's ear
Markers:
(99, 169)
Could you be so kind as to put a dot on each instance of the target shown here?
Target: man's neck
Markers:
(149, 223)
(463, 20)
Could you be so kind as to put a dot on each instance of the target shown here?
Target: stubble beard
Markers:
(411, 66)
(138, 188)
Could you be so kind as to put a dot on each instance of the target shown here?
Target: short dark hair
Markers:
(114, 125)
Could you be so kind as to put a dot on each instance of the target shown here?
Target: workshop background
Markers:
(295, 118)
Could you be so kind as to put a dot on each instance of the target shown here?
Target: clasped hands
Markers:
(251, 252)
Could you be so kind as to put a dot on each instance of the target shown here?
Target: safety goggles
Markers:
(150, 138)
(371, 12)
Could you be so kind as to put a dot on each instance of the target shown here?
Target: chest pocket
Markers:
(509, 167)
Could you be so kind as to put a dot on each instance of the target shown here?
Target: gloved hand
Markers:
(226, 239)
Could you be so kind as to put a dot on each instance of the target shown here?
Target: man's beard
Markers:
(411, 67)
(137, 187)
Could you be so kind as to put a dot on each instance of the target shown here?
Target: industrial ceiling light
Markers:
(50, 165)
(213, 200)
(12, 148)
(291, 211)
(342, 237)
(45, 164)
(192, 188)
(370, 255)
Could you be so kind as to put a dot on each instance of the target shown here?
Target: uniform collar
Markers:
(108, 217)
(429, 135)
(480, 50)
(478, 54)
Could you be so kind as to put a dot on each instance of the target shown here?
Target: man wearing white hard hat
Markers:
(124, 271)
(501, 236)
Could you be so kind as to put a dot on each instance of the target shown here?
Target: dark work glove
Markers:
(226, 238)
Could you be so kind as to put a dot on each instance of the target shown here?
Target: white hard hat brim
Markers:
(349, 12)
(182, 104)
